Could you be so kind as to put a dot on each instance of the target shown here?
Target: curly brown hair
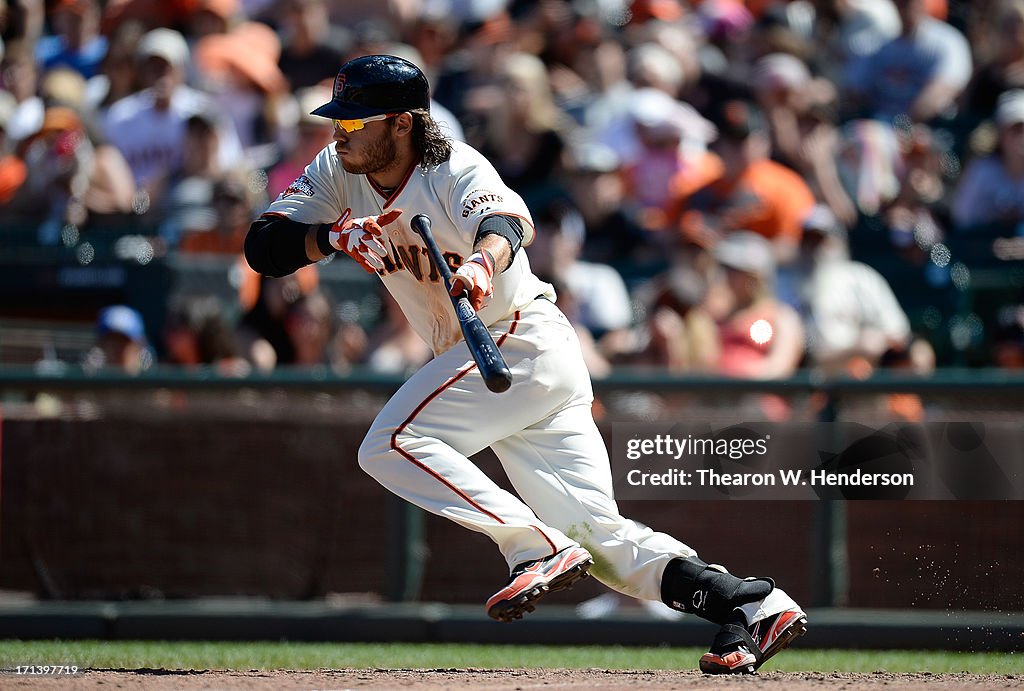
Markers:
(427, 138)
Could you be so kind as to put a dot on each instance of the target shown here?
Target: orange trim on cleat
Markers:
(736, 662)
(789, 625)
(743, 650)
(532, 580)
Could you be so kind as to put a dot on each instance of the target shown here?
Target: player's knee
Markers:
(375, 446)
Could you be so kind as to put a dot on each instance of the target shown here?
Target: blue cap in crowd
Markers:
(123, 320)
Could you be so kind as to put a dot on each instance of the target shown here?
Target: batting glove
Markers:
(360, 238)
(475, 277)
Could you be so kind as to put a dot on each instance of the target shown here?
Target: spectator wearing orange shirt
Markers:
(752, 192)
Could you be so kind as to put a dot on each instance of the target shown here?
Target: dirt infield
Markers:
(507, 679)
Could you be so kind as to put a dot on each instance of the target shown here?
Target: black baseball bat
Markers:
(481, 346)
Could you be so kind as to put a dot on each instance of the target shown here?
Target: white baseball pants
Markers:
(541, 430)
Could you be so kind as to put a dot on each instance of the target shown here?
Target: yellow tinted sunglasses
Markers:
(359, 123)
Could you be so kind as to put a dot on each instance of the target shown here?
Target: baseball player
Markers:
(388, 163)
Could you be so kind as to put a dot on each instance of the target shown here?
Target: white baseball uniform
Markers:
(541, 429)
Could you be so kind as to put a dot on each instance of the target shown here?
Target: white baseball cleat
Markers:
(531, 580)
(763, 628)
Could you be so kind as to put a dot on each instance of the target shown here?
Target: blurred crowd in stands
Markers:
(740, 188)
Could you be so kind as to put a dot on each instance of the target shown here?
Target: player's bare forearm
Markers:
(312, 249)
(499, 248)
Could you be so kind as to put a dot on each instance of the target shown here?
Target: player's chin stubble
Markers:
(378, 155)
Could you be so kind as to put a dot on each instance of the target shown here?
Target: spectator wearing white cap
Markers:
(799, 109)
(866, 25)
(651, 65)
(651, 111)
(149, 126)
(851, 315)
(663, 145)
(761, 337)
(991, 190)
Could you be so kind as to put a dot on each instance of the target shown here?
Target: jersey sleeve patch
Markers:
(302, 185)
(480, 202)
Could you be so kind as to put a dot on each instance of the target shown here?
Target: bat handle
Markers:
(421, 225)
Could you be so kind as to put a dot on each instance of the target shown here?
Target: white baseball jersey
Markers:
(456, 195)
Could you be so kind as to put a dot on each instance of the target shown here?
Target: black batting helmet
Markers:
(375, 85)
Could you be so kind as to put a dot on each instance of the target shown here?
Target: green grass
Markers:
(249, 656)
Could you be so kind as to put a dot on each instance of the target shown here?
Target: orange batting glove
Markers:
(360, 238)
(475, 277)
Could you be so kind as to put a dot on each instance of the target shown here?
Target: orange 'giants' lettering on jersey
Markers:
(477, 201)
(416, 260)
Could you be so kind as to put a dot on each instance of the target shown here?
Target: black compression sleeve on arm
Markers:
(276, 246)
(507, 227)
